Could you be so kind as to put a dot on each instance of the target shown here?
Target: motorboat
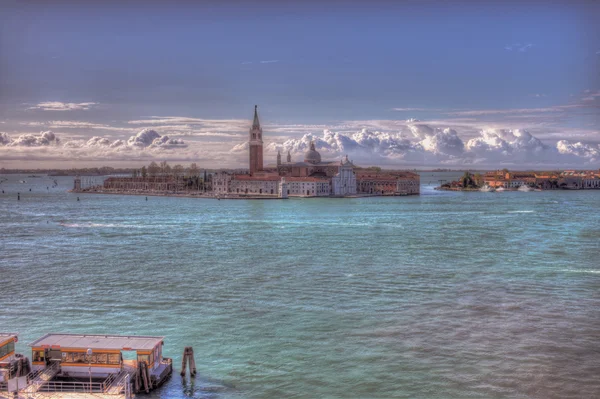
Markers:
(525, 188)
(487, 189)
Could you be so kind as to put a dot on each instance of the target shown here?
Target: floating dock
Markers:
(76, 366)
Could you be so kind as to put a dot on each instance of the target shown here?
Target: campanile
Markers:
(256, 145)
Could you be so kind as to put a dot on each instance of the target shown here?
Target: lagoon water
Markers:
(445, 295)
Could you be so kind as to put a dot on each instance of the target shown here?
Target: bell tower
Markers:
(256, 145)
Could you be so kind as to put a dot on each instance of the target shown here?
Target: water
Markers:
(446, 295)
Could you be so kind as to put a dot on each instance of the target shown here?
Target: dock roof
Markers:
(7, 336)
(78, 341)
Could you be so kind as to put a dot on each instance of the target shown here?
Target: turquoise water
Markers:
(446, 295)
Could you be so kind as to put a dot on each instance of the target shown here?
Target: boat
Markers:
(500, 189)
(22, 181)
(487, 189)
(96, 365)
(525, 188)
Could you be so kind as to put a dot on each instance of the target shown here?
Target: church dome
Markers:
(312, 155)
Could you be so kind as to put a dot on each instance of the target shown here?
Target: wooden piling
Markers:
(188, 358)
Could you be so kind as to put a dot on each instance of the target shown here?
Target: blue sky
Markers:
(311, 67)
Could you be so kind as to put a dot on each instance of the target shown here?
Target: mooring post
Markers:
(188, 357)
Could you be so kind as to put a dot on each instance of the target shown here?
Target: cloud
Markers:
(556, 108)
(146, 139)
(60, 106)
(143, 138)
(269, 61)
(422, 144)
(521, 47)
(4, 138)
(580, 150)
(413, 109)
(31, 140)
(151, 138)
(75, 125)
(591, 96)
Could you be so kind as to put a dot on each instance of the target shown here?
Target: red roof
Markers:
(256, 178)
(307, 179)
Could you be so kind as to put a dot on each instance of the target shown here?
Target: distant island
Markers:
(505, 180)
(310, 177)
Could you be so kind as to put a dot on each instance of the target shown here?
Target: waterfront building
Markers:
(283, 188)
(344, 182)
(509, 180)
(374, 182)
(92, 366)
(310, 177)
(145, 184)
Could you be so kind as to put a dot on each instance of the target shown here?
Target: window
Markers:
(6, 349)
(114, 358)
(38, 356)
(148, 359)
(99, 358)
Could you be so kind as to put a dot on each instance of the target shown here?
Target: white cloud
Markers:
(60, 106)
(414, 109)
(585, 151)
(522, 47)
(591, 96)
(76, 125)
(4, 138)
(269, 61)
(556, 108)
(31, 140)
(419, 143)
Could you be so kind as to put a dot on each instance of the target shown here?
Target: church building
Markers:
(311, 177)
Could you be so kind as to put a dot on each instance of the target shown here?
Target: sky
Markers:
(401, 84)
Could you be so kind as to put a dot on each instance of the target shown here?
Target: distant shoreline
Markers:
(229, 197)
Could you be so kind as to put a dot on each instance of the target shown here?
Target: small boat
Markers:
(525, 188)
(22, 181)
(487, 189)
(499, 189)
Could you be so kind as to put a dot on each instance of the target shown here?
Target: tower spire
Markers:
(256, 123)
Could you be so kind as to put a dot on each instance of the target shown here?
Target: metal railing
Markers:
(38, 379)
(71, 386)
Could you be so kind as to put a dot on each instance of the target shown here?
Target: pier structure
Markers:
(7, 357)
(74, 366)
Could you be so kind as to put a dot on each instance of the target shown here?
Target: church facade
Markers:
(311, 177)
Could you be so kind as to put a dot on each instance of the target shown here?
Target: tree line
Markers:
(164, 169)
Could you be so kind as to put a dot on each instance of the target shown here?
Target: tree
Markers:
(153, 169)
(178, 170)
(144, 172)
(193, 170)
(478, 179)
(165, 169)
